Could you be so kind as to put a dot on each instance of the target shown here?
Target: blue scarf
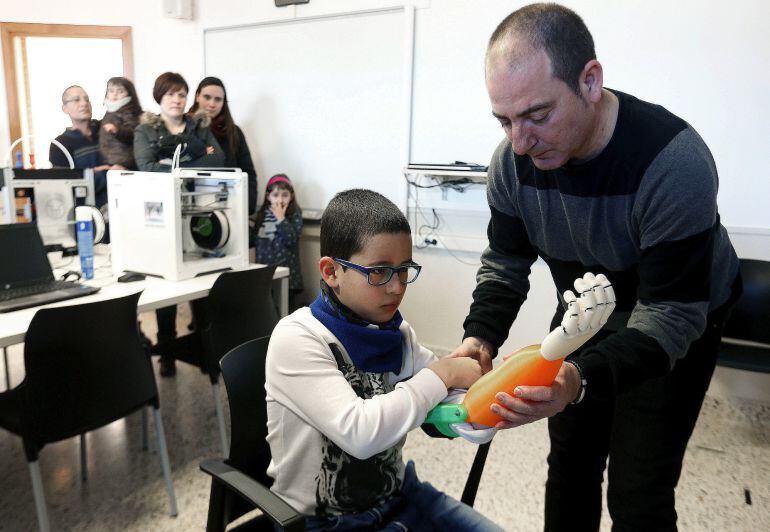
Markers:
(371, 350)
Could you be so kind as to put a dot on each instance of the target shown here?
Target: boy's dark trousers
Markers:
(644, 432)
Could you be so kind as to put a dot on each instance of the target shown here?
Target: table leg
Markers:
(283, 305)
(7, 369)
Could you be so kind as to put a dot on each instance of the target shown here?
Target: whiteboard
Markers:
(706, 62)
(320, 99)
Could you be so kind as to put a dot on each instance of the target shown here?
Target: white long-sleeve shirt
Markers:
(335, 432)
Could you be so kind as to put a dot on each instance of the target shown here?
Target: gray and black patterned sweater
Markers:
(643, 212)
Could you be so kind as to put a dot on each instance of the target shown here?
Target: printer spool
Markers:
(210, 230)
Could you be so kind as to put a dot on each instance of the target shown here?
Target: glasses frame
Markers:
(78, 100)
(366, 270)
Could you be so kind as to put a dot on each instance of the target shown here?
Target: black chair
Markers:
(749, 323)
(85, 368)
(240, 483)
(239, 308)
(243, 476)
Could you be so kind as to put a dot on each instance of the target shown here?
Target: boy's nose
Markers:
(394, 286)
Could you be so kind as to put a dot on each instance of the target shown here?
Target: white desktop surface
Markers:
(156, 293)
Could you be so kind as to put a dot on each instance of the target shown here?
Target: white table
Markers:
(156, 293)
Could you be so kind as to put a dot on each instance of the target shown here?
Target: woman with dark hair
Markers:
(116, 136)
(211, 97)
(157, 136)
(155, 140)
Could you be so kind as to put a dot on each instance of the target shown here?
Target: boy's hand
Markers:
(477, 349)
(457, 372)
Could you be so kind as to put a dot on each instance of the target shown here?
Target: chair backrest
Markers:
(85, 367)
(243, 370)
(240, 308)
(750, 317)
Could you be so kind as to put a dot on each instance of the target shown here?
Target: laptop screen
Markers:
(23, 260)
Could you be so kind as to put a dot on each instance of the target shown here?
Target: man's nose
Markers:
(521, 138)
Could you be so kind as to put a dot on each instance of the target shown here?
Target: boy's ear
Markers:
(328, 269)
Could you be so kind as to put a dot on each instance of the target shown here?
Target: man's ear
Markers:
(592, 81)
(328, 269)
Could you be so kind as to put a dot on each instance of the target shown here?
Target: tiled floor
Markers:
(728, 454)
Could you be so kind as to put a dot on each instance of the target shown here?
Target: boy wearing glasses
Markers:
(347, 380)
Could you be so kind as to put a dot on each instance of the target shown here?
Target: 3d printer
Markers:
(180, 224)
(47, 197)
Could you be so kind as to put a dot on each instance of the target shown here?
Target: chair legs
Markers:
(145, 445)
(37, 480)
(83, 458)
(37, 490)
(164, 463)
(220, 419)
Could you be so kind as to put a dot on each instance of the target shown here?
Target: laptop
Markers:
(26, 278)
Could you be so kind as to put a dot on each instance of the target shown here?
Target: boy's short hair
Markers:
(354, 216)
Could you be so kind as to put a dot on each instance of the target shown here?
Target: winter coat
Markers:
(154, 145)
(118, 148)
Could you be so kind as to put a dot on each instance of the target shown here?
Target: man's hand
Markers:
(101, 168)
(110, 128)
(531, 403)
(476, 348)
(584, 317)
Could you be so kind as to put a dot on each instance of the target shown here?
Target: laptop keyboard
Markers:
(31, 290)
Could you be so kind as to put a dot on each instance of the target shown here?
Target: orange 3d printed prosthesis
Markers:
(536, 365)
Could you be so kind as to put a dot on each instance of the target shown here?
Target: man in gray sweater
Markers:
(592, 179)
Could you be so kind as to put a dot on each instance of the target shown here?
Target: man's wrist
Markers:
(582, 383)
(481, 343)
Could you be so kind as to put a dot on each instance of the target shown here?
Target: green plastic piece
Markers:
(444, 415)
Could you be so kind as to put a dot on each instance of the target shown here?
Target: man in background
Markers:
(82, 141)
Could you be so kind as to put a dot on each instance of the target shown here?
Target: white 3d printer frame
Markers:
(151, 215)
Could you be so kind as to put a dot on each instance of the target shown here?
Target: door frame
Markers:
(10, 30)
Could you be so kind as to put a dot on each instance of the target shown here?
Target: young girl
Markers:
(116, 136)
(279, 225)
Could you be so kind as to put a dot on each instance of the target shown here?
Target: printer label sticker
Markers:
(153, 213)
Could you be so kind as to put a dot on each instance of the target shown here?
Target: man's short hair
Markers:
(168, 81)
(353, 217)
(557, 30)
(64, 94)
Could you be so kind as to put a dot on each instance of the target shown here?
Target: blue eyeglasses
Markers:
(380, 275)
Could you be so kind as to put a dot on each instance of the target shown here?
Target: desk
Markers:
(157, 293)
